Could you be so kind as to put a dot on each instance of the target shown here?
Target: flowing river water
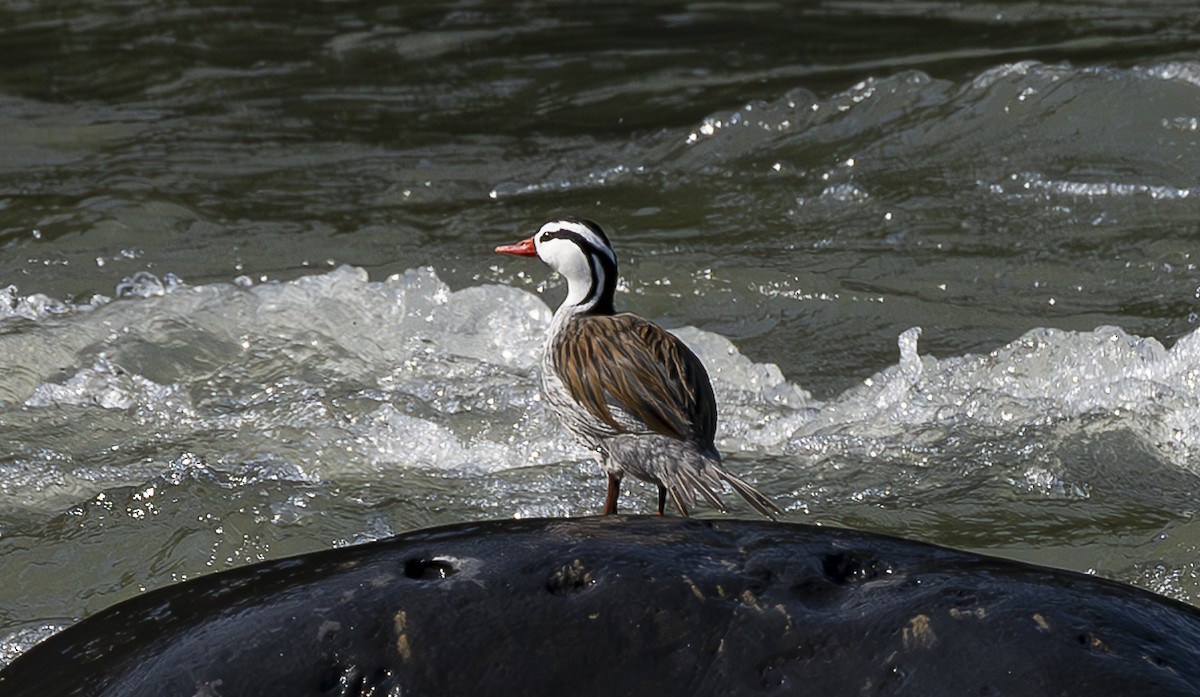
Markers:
(940, 258)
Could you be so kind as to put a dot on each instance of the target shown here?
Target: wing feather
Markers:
(625, 366)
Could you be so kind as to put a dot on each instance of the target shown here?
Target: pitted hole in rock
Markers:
(338, 678)
(570, 578)
(429, 569)
(852, 567)
(759, 579)
(771, 676)
(1157, 661)
(350, 679)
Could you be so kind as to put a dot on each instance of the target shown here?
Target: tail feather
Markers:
(684, 478)
(677, 499)
(701, 480)
(686, 471)
(753, 496)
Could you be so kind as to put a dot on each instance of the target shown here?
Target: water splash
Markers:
(335, 373)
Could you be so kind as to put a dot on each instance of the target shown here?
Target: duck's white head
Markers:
(579, 250)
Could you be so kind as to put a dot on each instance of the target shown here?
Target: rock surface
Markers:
(623, 606)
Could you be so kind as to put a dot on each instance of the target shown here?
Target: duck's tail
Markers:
(685, 472)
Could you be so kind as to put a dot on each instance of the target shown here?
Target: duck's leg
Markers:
(662, 498)
(614, 491)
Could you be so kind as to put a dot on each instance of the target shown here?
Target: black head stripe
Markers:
(564, 232)
(604, 284)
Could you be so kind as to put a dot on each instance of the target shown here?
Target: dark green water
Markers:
(800, 182)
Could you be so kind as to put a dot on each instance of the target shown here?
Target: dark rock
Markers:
(621, 606)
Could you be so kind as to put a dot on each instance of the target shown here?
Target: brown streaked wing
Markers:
(626, 361)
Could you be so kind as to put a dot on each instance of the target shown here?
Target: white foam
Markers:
(1106, 378)
(108, 387)
(335, 372)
